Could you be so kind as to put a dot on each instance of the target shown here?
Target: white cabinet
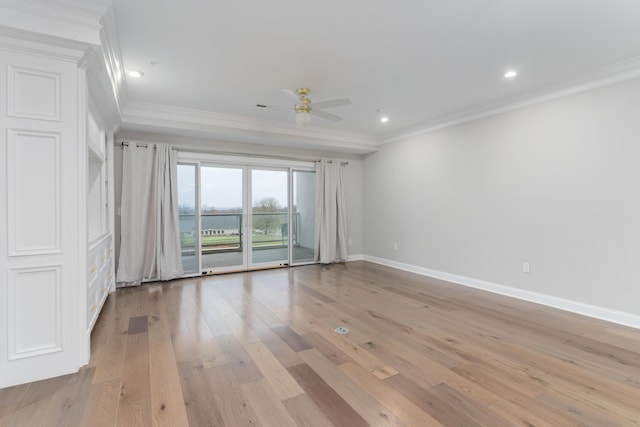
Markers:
(100, 265)
(40, 258)
(56, 260)
(100, 278)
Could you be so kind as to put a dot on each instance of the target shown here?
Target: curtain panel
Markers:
(331, 213)
(150, 227)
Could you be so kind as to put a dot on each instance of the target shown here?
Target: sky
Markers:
(222, 187)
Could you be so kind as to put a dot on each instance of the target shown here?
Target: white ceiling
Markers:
(421, 62)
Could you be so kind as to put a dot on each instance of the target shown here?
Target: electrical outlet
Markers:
(395, 246)
(350, 242)
(526, 267)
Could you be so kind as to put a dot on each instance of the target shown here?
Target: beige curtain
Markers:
(331, 213)
(150, 227)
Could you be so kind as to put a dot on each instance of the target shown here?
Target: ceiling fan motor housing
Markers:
(305, 103)
(304, 106)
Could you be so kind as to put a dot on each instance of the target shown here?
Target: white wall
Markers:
(352, 172)
(556, 184)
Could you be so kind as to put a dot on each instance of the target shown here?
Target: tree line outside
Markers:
(267, 225)
(269, 220)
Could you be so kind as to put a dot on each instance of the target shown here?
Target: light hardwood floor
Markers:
(259, 349)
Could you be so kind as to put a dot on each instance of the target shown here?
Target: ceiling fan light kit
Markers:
(303, 118)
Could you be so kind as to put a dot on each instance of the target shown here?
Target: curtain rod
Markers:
(140, 145)
(126, 144)
(226, 153)
(331, 161)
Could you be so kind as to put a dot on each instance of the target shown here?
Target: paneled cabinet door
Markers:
(39, 206)
(100, 279)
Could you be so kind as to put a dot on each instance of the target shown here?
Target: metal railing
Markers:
(222, 232)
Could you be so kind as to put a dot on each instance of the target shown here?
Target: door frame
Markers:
(292, 261)
(246, 163)
(244, 225)
(251, 265)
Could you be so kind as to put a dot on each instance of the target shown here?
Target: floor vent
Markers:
(342, 330)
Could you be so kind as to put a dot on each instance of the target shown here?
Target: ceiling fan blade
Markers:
(292, 95)
(325, 115)
(333, 103)
(271, 107)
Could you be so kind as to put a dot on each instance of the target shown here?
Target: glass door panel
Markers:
(235, 218)
(221, 218)
(187, 202)
(303, 217)
(269, 217)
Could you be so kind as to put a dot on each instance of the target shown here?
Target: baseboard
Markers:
(602, 313)
(358, 257)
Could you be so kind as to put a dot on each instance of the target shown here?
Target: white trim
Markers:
(100, 88)
(84, 336)
(98, 241)
(146, 116)
(358, 257)
(70, 20)
(112, 61)
(41, 45)
(16, 305)
(250, 160)
(602, 313)
(138, 115)
(16, 247)
(612, 74)
(13, 94)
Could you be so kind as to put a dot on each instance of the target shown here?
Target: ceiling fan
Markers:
(303, 108)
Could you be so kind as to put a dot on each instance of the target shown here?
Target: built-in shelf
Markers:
(95, 155)
(97, 181)
(100, 277)
(100, 272)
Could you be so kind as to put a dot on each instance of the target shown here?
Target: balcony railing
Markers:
(222, 232)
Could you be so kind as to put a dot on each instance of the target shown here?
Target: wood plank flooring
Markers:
(259, 349)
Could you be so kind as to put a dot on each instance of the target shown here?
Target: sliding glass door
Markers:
(303, 217)
(222, 206)
(241, 217)
(269, 217)
(187, 202)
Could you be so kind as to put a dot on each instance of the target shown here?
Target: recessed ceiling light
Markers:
(510, 74)
(384, 119)
(135, 74)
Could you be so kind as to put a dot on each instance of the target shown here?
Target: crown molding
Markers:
(42, 45)
(77, 20)
(112, 58)
(612, 74)
(152, 117)
(100, 89)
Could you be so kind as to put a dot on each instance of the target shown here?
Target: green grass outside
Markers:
(258, 240)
